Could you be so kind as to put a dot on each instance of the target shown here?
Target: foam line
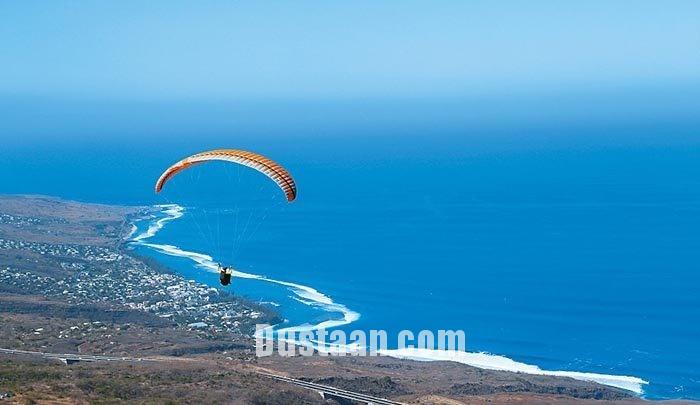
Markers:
(172, 212)
(132, 231)
(495, 362)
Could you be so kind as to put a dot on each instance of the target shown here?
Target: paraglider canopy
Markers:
(268, 167)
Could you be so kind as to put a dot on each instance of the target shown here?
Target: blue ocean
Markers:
(565, 248)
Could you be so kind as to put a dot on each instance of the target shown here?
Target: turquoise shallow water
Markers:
(577, 258)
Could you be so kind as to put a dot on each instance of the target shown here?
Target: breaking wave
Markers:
(171, 211)
(495, 362)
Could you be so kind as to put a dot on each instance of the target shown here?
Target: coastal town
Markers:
(79, 254)
(98, 274)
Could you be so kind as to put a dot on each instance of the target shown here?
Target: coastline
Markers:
(475, 376)
(313, 297)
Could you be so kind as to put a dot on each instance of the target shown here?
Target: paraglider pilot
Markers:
(225, 274)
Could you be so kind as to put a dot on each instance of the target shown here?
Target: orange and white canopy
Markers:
(253, 160)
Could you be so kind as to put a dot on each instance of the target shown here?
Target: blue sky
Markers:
(227, 50)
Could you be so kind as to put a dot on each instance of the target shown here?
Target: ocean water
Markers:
(570, 256)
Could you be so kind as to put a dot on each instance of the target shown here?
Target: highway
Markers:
(332, 392)
(75, 357)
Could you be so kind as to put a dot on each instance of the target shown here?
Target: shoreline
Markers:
(54, 324)
(482, 360)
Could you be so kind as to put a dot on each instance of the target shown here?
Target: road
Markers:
(324, 390)
(75, 357)
(332, 392)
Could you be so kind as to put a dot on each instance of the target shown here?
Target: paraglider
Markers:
(266, 166)
(260, 163)
(225, 274)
